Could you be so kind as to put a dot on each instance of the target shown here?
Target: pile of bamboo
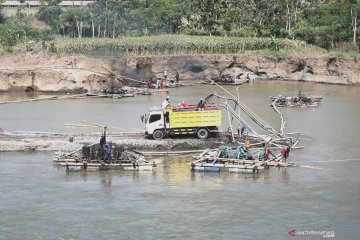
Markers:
(296, 101)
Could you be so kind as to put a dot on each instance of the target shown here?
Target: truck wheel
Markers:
(202, 133)
(158, 135)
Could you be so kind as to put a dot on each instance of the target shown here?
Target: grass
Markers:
(271, 53)
(351, 54)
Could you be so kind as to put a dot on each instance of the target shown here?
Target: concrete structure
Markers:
(31, 7)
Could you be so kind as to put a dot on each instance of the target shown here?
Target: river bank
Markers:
(79, 73)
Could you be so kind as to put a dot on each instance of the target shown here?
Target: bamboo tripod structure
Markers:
(272, 136)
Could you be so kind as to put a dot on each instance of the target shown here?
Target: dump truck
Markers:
(162, 123)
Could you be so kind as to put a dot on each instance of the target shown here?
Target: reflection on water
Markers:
(41, 201)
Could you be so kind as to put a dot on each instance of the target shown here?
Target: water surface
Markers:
(40, 201)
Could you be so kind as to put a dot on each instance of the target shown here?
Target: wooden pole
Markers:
(249, 112)
(282, 126)
(231, 129)
(79, 125)
(94, 124)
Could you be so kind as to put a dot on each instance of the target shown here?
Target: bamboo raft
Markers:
(84, 166)
(92, 158)
(208, 161)
(296, 101)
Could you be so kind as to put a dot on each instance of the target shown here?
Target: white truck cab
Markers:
(155, 123)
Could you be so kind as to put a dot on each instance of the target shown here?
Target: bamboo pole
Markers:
(78, 125)
(242, 121)
(238, 98)
(94, 124)
(248, 112)
(166, 153)
(282, 126)
(231, 129)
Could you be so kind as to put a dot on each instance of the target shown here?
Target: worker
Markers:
(102, 140)
(165, 103)
(261, 154)
(267, 152)
(108, 148)
(201, 105)
(222, 152)
(287, 151)
(239, 153)
(162, 83)
(247, 145)
(284, 153)
(165, 75)
(177, 76)
(157, 86)
(101, 145)
(249, 156)
(69, 64)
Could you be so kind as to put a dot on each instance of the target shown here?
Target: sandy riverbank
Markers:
(51, 73)
(31, 141)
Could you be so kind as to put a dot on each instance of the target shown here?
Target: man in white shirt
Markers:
(166, 103)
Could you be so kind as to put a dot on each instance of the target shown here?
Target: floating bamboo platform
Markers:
(92, 158)
(296, 101)
(213, 82)
(208, 161)
(84, 166)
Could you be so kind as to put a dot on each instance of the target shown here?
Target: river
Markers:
(41, 201)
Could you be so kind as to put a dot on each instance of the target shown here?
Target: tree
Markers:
(50, 14)
(209, 14)
(352, 8)
(2, 17)
(75, 18)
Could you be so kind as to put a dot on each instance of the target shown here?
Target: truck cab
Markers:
(155, 124)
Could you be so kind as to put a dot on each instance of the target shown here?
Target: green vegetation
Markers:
(270, 25)
(275, 54)
(173, 44)
(352, 54)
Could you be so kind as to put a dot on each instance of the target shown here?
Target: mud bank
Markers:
(28, 141)
(52, 73)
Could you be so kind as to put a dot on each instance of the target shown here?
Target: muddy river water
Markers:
(320, 197)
